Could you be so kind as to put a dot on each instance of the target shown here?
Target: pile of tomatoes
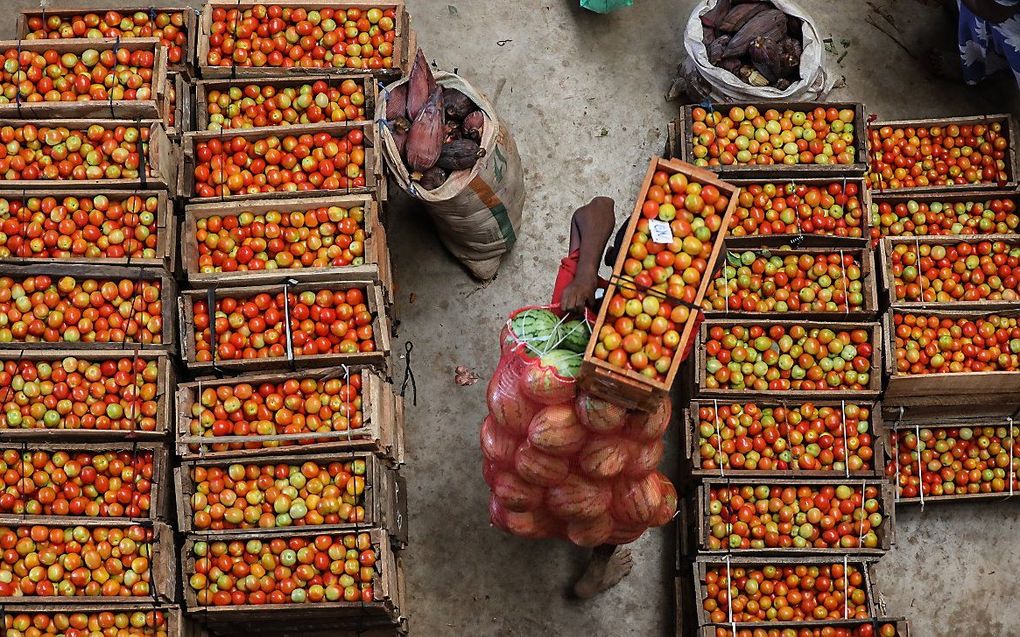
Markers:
(964, 271)
(314, 238)
(31, 152)
(95, 562)
(112, 73)
(256, 105)
(284, 570)
(286, 37)
(296, 405)
(96, 485)
(168, 26)
(323, 321)
(40, 309)
(928, 344)
(126, 623)
(90, 226)
(795, 208)
(977, 216)
(310, 161)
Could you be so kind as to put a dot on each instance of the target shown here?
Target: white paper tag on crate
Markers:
(660, 231)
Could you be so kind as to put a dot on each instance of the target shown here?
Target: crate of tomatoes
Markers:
(907, 214)
(150, 620)
(259, 40)
(647, 319)
(339, 409)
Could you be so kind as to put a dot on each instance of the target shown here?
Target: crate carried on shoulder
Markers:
(633, 280)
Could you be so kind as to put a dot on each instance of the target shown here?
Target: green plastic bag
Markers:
(605, 6)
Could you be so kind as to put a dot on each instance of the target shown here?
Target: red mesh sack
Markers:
(562, 463)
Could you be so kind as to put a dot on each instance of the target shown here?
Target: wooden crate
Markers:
(758, 172)
(160, 160)
(182, 104)
(162, 571)
(164, 388)
(896, 197)
(385, 502)
(372, 167)
(156, 107)
(691, 447)
(886, 532)
(862, 255)
(699, 568)
(159, 492)
(863, 196)
(403, 46)
(177, 625)
(885, 251)
(1011, 158)
(946, 422)
(870, 393)
(374, 299)
(384, 608)
(957, 388)
(168, 294)
(202, 89)
(375, 268)
(625, 387)
(166, 228)
(902, 627)
(382, 432)
(190, 15)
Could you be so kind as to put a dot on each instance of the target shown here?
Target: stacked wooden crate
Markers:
(947, 248)
(782, 439)
(290, 434)
(86, 276)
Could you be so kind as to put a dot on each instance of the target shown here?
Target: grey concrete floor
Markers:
(583, 96)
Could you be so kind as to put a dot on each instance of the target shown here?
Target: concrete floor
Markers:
(583, 96)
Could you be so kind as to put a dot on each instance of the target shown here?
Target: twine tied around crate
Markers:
(846, 448)
(860, 526)
(896, 453)
(409, 374)
(729, 595)
(846, 284)
(1009, 420)
(846, 587)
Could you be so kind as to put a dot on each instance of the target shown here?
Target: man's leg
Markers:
(608, 565)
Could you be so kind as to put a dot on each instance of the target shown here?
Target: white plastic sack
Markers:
(815, 82)
(477, 212)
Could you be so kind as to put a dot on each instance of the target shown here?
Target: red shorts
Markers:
(566, 274)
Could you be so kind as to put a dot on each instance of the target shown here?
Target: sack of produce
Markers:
(446, 147)
(560, 462)
(756, 50)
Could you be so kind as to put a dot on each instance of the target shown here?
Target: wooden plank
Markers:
(874, 379)
(863, 564)
(179, 91)
(953, 387)
(637, 391)
(738, 233)
(371, 169)
(202, 89)
(168, 294)
(379, 498)
(374, 248)
(886, 532)
(691, 442)
(403, 53)
(160, 164)
(162, 570)
(1005, 119)
(385, 605)
(862, 256)
(381, 432)
(915, 245)
(189, 17)
(156, 107)
(860, 145)
(159, 492)
(165, 227)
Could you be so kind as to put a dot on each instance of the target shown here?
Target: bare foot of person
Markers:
(603, 573)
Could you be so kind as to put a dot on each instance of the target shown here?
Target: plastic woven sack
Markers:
(562, 463)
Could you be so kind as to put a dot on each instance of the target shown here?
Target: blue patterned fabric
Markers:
(985, 47)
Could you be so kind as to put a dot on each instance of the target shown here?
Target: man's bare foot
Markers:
(603, 572)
